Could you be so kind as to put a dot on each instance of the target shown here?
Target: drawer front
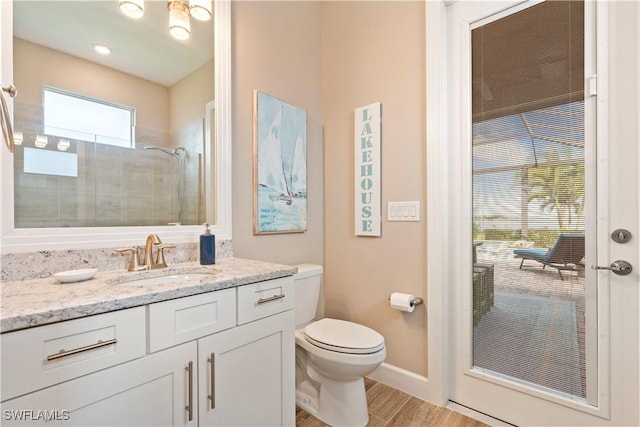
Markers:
(46, 355)
(264, 299)
(184, 319)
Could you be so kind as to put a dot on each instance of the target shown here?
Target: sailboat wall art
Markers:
(280, 166)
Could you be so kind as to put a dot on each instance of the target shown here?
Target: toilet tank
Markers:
(307, 292)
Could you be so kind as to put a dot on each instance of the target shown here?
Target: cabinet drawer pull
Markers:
(64, 353)
(189, 407)
(212, 396)
(273, 298)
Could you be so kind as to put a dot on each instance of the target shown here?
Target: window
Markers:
(83, 118)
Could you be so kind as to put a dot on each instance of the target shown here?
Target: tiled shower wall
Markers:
(115, 186)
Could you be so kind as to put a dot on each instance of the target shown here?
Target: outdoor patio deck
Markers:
(533, 280)
(535, 330)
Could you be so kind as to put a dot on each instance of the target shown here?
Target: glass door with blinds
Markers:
(536, 184)
(528, 189)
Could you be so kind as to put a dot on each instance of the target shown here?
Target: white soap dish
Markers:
(71, 276)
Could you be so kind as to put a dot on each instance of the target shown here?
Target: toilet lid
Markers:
(344, 337)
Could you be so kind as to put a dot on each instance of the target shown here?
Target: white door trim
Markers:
(437, 245)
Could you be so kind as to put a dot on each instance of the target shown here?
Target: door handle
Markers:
(11, 90)
(5, 118)
(620, 267)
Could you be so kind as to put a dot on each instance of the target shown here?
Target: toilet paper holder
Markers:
(415, 301)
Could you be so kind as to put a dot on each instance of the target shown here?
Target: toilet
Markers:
(332, 357)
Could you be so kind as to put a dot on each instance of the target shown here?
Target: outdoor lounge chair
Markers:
(565, 254)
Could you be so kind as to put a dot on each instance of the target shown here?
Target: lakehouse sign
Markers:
(367, 170)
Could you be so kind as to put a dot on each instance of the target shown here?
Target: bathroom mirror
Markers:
(168, 174)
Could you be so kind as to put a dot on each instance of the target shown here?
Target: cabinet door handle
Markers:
(65, 353)
(189, 407)
(212, 396)
(273, 298)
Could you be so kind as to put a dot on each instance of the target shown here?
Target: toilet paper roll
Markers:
(402, 302)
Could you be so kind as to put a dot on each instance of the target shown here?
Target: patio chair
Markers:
(565, 254)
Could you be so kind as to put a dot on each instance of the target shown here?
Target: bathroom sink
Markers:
(169, 278)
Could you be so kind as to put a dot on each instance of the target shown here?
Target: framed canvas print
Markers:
(280, 166)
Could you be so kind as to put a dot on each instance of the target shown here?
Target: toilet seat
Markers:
(343, 337)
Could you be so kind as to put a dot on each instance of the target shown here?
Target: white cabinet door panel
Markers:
(253, 381)
(152, 391)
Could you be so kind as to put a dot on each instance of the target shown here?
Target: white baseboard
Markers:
(401, 379)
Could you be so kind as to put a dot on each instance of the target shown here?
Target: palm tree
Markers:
(559, 188)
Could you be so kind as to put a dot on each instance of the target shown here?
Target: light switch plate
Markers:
(403, 211)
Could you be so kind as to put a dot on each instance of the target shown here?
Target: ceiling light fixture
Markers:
(101, 49)
(179, 11)
(179, 25)
(200, 9)
(41, 141)
(132, 8)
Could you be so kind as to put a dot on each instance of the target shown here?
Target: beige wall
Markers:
(330, 58)
(276, 49)
(375, 51)
(157, 107)
(189, 96)
(36, 65)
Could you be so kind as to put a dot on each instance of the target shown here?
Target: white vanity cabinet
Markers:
(150, 391)
(35, 358)
(246, 373)
(220, 358)
(254, 377)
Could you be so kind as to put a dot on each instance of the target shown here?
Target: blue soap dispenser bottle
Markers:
(207, 247)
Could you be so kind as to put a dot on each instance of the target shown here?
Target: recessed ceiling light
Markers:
(101, 49)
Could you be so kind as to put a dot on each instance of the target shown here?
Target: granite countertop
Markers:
(36, 302)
